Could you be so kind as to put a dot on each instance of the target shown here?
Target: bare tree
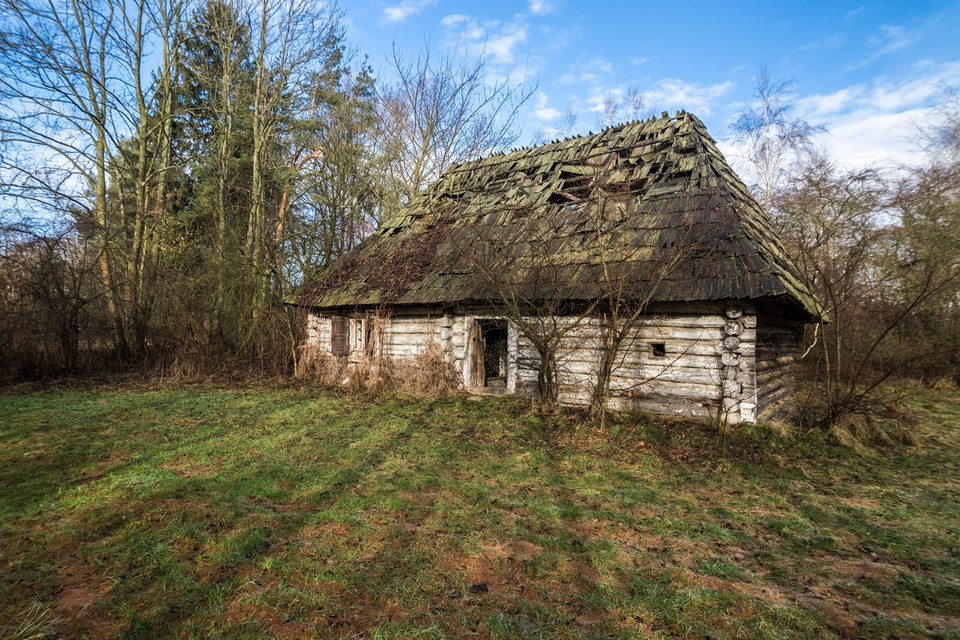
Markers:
(47, 282)
(928, 238)
(440, 113)
(287, 53)
(629, 278)
(771, 135)
(871, 258)
(562, 127)
(616, 109)
(73, 95)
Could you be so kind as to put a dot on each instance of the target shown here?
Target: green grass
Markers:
(225, 512)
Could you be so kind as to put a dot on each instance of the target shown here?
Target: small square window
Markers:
(659, 349)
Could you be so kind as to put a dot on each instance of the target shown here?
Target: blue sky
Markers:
(869, 72)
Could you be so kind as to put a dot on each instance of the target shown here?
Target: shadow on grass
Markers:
(291, 514)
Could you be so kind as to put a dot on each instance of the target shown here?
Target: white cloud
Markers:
(501, 45)
(454, 19)
(820, 105)
(893, 38)
(875, 124)
(407, 8)
(865, 138)
(677, 94)
(852, 13)
(468, 30)
(542, 7)
(493, 38)
(890, 38)
(832, 42)
(590, 71)
(541, 111)
(880, 124)
(884, 96)
(600, 65)
(598, 97)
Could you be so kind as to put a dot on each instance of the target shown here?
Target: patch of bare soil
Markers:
(80, 603)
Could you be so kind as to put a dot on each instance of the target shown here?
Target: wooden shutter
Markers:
(339, 336)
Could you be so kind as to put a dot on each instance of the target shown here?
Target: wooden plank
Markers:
(667, 406)
(584, 361)
(768, 377)
(765, 384)
(763, 364)
(769, 399)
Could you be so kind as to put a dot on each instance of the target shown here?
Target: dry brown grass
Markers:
(429, 374)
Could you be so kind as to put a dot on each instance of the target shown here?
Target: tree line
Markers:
(172, 170)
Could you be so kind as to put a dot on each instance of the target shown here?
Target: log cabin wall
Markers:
(673, 365)
(778, 341)
(689, 360)
(396, 335)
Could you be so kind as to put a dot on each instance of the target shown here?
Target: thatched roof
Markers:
(640, 195)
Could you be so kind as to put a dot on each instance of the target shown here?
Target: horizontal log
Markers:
(771, 399)
(766, 378)
(639, 361)
(688, 390)
(775, 387)
(689, 387)
(710, 336)
(772, 361)
(405, 326)
(667, 406)
(718, 307)
(783, 346)
(775, 391)
(769, 368)
(773, 346)
(403, 351)
(578, 394)
(673, 376)
(400, 343)
(764, 364)
(689, 366)
(771, 386)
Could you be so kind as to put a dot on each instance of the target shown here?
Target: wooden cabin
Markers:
(641, 229)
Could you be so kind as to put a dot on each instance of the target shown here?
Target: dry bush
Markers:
(881, 419)
(853, 430)
(321, 368)
(429, 374)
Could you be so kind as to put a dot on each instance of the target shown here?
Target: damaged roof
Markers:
(651, 208)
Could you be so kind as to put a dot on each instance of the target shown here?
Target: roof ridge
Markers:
(680, 115)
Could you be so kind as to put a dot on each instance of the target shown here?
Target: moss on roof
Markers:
(655, 192)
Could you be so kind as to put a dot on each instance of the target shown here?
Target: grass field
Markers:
(236, 512)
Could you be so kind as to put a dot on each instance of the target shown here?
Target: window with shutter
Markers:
(339, 336)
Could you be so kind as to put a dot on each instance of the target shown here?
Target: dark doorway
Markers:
(494, 334)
